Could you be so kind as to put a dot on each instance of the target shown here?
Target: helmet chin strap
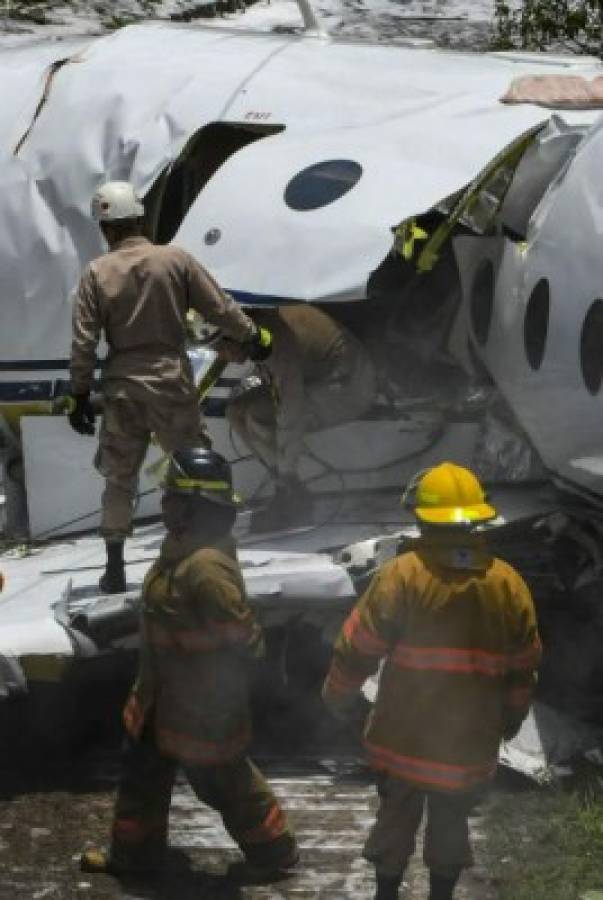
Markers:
(203, 520)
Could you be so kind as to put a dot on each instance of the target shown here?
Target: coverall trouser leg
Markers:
(125, 434)
(252, 414)
(237, 790)
(252, 417)
(250, 811)
(140, 821)
(333, 402)
(391, 841)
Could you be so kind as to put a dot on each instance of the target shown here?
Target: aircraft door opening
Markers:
(173, 194)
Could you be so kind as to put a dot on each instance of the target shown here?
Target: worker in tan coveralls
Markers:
(457, 631)
(138, 295)
(189, 704)
(317, 376)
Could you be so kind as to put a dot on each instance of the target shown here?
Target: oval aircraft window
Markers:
(322, 183)
(536, 323)
(591, 347)
(482, 301)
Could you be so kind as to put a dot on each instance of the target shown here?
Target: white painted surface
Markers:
(385, 107)
(63, 487)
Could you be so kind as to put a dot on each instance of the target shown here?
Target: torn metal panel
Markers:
(548, 743)
(532, 311)
(52, 612)
(52, 71)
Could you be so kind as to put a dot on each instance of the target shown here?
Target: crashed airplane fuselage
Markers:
(281, 162)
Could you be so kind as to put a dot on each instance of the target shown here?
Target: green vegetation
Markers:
(575, 25)
(34, 11)
(546, 844)
(111, 13)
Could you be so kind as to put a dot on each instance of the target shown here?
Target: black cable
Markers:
(434, 438)
(329, 469)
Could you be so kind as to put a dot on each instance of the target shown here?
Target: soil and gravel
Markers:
(48, 816)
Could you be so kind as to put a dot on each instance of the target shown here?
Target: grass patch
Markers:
(546, 844)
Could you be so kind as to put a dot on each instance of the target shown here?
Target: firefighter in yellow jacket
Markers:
(457, 631)
(189, 705)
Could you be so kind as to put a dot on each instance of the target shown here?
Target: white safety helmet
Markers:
(116, 200)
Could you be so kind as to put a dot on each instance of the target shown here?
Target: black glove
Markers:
(82, 417)
(260, 345)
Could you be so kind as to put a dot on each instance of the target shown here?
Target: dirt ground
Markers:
(49, 812)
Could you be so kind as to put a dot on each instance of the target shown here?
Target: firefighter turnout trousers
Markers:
(391, 842)
(237, 790)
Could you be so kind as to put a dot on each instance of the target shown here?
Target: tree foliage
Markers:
(540, 24)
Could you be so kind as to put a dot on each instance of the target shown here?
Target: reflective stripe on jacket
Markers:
(198, 637)
(460, 650)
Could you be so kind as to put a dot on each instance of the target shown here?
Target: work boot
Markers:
(290, 505)
(387, 887)
(442, 886)
(114, 579)
(247, 872)
(97, 861)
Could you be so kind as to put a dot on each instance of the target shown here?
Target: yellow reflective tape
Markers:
(405, 237)
(265, 337)
(510, 158)
(45, 667)
(14, 412)
(204, 485)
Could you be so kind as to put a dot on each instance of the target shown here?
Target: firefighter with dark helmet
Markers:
(189, 705)
(456, 631)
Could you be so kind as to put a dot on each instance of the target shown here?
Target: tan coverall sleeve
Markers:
(524, 655)
(368, 634)
(286, 371)
(219, 308)
(86, 331)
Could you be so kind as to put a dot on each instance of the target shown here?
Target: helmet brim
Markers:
(456, 515)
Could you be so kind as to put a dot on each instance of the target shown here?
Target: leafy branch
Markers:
(576, 25)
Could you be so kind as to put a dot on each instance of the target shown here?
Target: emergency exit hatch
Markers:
(179, 185)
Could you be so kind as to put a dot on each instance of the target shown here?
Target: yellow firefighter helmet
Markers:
(448, 495)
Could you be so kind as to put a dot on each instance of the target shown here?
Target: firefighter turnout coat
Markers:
(456, 629)
(198, 637)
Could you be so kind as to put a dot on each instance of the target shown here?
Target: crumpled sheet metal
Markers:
(420, 122)
(548, 742)
(309, 577)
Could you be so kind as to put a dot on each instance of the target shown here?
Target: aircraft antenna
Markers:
(312, 24)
